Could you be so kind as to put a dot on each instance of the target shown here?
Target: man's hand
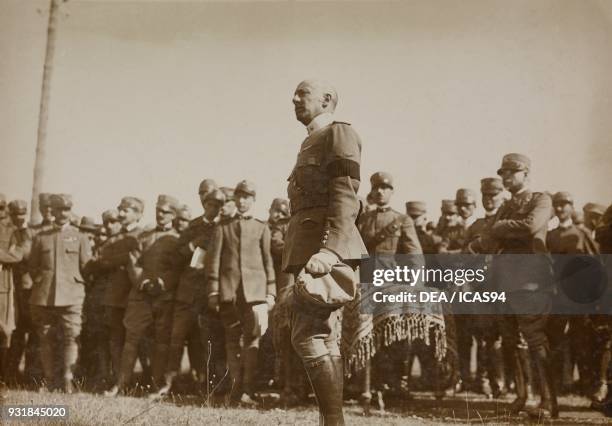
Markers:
(321, 263)
(213, 302)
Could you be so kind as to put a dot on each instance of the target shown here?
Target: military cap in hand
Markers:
(215, 195)
(110, 215)
(61, 201)
(515, 162)
(245, 187)
(206, 186)
(381, 179)
(18, 207)
(562, 197)
(416, 208)
(491, 185)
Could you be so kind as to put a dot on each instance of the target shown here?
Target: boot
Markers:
(250, 369)
(520, 384)
(47, 361)
(164, 388)
(548, 407)
(324, 374)
(3, 389)
(124, 375)
(365, 398)
(71, 354)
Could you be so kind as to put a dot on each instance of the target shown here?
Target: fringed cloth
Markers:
(363, 335)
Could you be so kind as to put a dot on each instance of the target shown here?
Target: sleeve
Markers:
(267, 260)
(15, 253)
(409, 240)
(343, 169)
(537, 218)
(85, 255)
(213, 261)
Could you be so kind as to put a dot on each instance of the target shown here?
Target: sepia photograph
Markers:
(305, 212)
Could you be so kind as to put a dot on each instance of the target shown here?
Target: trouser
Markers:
(47, 320)
(184, 323)
(24, 340)
(213, 339)
(241, 345)
(140, 316)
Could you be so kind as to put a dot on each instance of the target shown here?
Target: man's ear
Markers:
(326, 99)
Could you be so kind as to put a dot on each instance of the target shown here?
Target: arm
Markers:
(267, 260)
(537, 218)
(213, 262)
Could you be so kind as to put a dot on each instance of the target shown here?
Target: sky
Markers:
(152, 97)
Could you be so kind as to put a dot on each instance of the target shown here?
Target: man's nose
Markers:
(295, 99)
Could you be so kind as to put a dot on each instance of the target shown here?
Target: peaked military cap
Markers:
(61, 201)
(215, 195)
(44, 199)
(280, 204)
(17, 207)
(515, 162)
(380, 179)
(206, 186)
(228, 192)
(184, 212)
(448, 206)
(110, 215)
(562, 197)
(491, 185)
(88, 224)
(416, 208)
(167, 201)
(132, 203)
(246, 187)
(594, 208)
(464, 196)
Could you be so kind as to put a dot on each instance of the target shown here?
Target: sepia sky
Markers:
(151, 97)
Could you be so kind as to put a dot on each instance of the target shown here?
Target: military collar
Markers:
(319, 122)
(383, 209)
(566, 224)
(165, 228)
(130, 227)
(63, 227)
(244, 216)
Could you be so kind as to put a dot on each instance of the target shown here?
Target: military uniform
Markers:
(57, 259)
(154, 276)
(520, 227)
(240, 273)
(114, 257)
(7, 314)
(324, 207)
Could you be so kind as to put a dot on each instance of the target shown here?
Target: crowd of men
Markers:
(81, 302)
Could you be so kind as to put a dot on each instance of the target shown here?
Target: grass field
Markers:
(89, 409)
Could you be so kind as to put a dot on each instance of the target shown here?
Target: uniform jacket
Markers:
(520, 227)
(11, 254)
(115, 257)
(323, 197)
(159, 258)
(278, 231)
(570, 240)
(56, 263)
(191, 286)
(239, 256)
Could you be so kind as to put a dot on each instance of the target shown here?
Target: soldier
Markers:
(465, 200)
(322, 237)
(484, 327)
(568, 238)
(593, 213)
(44, 207)
(450, 229)
(24, 338)
(417, 210)
(115, 257)
(58, 257)
(183, 217)
(192, 246)
(386, 233)
(88, 226)
(240, 275)
(95, 349)
(229, 208)
(154, 270)
(278, 222)
(520, 227)
(7, 314)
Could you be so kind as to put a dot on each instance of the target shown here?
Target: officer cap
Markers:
(594, 208)
(17, 207)
(416, 208)
(448, 206)
(168, 201)
(228, 192)
(206, 186)
(515, 162)
(280, 204)
(562, 197)
(381, 179)
(134, 203)
(245, 187)
(44, 199)
(491, 185)
(184, 212)
(88, 224)
(61, 201)
(110, 215)
(215, 195)
(465, 196)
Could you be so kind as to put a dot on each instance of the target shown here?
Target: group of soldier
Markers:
(87, 301)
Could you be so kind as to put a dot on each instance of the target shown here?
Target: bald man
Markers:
(322, 244)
